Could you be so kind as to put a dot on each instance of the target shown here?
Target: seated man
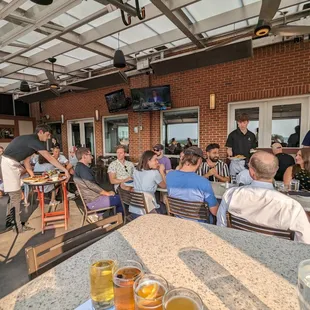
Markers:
(72, 157)
(185, 184)
(120, 170)
(260, 204)
(159, 151)
(285, 160)
(214, 169)
(94, 196)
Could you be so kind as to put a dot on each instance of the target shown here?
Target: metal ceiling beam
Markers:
(177, 22)
(10, 8)
(45, 16)
(116, 25)
(122, 6)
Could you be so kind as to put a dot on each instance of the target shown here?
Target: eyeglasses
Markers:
(126, 169)
(156, 150)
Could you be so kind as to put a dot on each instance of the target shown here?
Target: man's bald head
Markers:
(263, 166)
(276, 148)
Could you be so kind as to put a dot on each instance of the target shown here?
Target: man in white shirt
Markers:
(259, 203)
(120, 170)
(61, 158)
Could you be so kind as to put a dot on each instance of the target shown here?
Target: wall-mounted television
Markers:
(151, 98)
(117, 101)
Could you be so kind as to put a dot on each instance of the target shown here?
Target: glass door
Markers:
(81, 133)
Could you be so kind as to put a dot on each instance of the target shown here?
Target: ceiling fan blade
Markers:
(268, 10)
(51, 77)
(290, 30)
(55, 91)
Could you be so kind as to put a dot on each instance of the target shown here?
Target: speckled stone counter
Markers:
(230, 269)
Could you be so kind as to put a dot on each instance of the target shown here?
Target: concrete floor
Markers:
(13, 268)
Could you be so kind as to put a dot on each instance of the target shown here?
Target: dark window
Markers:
(21, 108)
(6, 104)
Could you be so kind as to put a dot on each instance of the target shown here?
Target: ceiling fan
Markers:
(54, 85)
(268, 10)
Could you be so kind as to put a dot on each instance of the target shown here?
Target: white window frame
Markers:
(82, 131)
(177, 110)
(265, 115)
(103, 131)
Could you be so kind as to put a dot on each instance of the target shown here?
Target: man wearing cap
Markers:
(185, 184)
(159, 151)
(285, 160)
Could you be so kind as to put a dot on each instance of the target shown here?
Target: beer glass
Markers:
(101, 283)
(149, 291)
(182, 299)
(124, 277)
(294, 185)
(304, 284)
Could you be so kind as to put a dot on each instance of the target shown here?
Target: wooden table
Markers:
(230, 269)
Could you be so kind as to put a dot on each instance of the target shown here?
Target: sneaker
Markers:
(23, 229)
(70, 195)
(54, 203)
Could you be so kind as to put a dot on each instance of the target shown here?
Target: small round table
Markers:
(56, 216)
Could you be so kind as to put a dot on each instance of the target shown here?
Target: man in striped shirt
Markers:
(214, 169)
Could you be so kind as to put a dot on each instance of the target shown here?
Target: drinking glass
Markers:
(182, 299)
(124, 277)
(149, 291)
(233, 179)
(294, 185)
(278, 185)
(304, 284)
(101, 283)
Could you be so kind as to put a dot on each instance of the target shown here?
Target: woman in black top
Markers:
(300, 171)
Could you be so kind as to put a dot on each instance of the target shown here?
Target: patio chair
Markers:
(47, 255)
(187, 209)
(85, 211)
(241, 224)
(134, 199)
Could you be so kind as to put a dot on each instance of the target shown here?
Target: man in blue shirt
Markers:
(185, 184)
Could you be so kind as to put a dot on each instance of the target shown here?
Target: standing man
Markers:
(214, 169)
(285, 160)
(306, 140)
(163, 160)
(120, 170)
(21, 149)
(240, 142)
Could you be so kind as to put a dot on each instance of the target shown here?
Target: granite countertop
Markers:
(230, 269)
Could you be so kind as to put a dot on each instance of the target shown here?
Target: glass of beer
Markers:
(124, 277)
(304, 284)
(149, 291)
(101, 283)
(182, 299)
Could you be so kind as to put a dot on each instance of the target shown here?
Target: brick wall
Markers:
(274, 71)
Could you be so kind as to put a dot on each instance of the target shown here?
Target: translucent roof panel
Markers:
(105, 18)
(80, 53)
(181, 42)
(50, 44)
(136, 33)
(31, 71)
(85, 9)
(141, 2)
(253, 21)
(221, 30)
(161, 24)
(10, 49)
(27, 5)
(31, 37)
(63, 60)
(111, 42)
(2, 22)
(32, 52)
(3, 65)
(83, 29)
(5, 81)
(64, 20)
(205, 9)
(246, 2)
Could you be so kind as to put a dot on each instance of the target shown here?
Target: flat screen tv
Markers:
(117, 101)
(151, 98)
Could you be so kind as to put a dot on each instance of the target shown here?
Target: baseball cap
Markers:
(194, 150)
(158, 147)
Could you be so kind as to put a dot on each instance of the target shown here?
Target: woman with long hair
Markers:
(300, 171)
(147, 176)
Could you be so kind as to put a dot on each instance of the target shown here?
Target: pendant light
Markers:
(119, 58)
(42, 2)
(24, 86)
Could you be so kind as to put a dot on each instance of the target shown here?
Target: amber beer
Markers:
(101, 283)
(149, 292)
(182, 299)
(124, 279)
